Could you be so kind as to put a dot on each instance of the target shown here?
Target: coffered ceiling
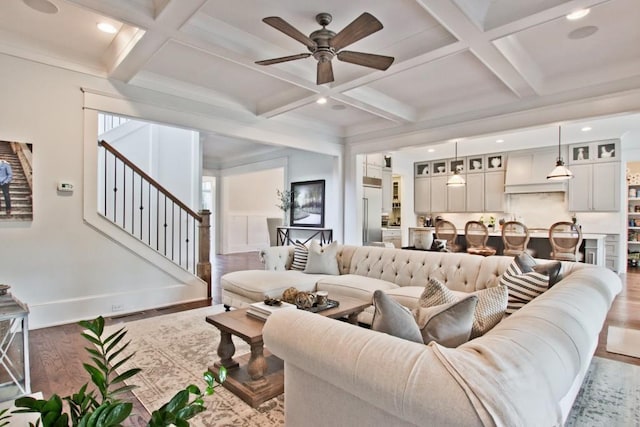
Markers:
(456, 61)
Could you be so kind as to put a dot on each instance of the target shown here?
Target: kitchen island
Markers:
(592, 248)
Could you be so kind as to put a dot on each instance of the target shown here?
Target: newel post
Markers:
(204, 260)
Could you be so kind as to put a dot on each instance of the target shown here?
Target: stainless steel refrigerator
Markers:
(372, 213)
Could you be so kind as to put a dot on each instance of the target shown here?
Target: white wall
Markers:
(58, 264)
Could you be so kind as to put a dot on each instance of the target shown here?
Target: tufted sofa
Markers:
(363, 269)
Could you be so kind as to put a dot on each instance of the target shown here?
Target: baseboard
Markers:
(109, 305)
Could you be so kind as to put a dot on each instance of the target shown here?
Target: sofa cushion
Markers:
(256, 284)
(448, 324)
(523, 287)
(408, 296)
(322, 260)
(392, 318)
(353, 285)
(491, 307)
(300, 255)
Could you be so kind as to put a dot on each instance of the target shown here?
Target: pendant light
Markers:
(456, 180)
(560, 172)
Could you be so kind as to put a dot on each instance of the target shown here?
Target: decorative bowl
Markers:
(4, 289)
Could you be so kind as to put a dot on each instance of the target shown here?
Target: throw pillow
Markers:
(393, 318)
(492, 304)
(322, 260)
(552, 269)
(523, 287)
(449, 324)
(300, 254)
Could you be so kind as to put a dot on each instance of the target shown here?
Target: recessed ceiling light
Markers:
(44, 6)
(499, 141)
(431, 150)
(578, 14)
(322, 100)
(105, 27)
(586, 129)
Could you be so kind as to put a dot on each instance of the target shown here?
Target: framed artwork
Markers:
(16, 181)
(439, 167)
(607, 150)
(475, 164)
(494, 162)
(307, 209)
(580, 153)
(594, 151)
(457, 165)
(422, 169)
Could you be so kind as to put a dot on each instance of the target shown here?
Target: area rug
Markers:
(175, 349)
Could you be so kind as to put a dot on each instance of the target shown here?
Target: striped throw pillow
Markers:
(300, 254)
(523, 287)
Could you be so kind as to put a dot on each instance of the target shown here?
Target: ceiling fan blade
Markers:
(361, 27)
(282, 25)
(370, 60)
(283, 59)
(325, 72)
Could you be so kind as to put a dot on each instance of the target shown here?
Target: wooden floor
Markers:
(57, 353)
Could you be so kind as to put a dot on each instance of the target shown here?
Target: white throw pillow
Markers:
(322, 260)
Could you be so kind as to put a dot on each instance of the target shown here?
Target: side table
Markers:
(14, 348)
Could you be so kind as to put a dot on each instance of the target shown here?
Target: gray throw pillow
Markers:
(450, 324)
(394, 319)
(322, 260)
(492, 304)
(528, 264)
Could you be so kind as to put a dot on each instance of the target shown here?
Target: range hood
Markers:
(527, 172)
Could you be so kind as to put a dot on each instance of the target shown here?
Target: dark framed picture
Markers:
(422, 169)
(439, 168)
(456, 166)
(16, 181)
(495, 162)
(476, 164)
(580, 153)
(307, 209)
(607, 151)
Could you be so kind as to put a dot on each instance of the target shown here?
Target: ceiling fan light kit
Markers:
(324, 44)
(560, 172)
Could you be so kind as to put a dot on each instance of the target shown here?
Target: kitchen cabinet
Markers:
(387, 191)
(393, 236)
(595, 187)
(439, 194)
(475, 192)
(456, 198)
(494, 191)
(422, 195)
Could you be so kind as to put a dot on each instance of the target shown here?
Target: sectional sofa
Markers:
(525, 371)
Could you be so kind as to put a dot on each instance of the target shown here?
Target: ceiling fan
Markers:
(324, 44)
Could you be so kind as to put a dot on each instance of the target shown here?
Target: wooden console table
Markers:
(325, 235)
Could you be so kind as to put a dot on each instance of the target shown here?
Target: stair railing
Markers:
(141, 206)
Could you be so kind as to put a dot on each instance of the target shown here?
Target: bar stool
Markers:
(446, 230)
(515, 237)
(476, 235)
(565, 239)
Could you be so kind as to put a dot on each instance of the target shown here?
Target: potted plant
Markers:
(285, 199)
(102, 407)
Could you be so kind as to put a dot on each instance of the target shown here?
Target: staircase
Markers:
(21, 200)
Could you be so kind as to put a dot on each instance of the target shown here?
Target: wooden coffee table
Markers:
(257, 377)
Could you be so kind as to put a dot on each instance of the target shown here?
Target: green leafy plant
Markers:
(102, 407)
(286, 200)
